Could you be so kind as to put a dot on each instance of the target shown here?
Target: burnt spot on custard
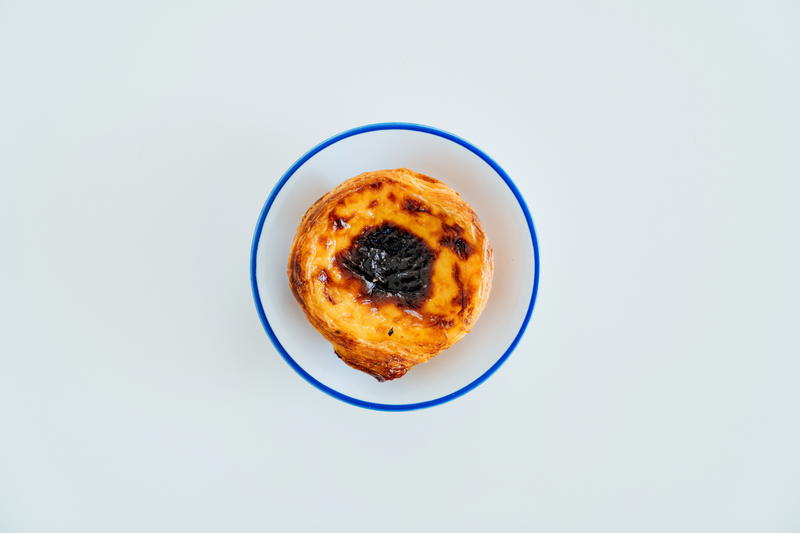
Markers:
(412, 205)
(376, 185)
(462, 298)
(461, 247)
(452, 239)
(438, 321)
(337, 222)
(393, 265)
(454, 229)
(373, 203)
(391, 197)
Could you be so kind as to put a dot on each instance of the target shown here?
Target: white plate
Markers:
(480, 181)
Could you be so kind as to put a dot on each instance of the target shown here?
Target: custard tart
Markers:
(391, 267)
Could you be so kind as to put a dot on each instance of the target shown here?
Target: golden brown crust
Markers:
(384, 336)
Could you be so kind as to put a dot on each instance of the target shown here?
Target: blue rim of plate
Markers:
(257, 237)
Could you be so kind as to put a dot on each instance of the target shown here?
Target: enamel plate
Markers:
(480, 181)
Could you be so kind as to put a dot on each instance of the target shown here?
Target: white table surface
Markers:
(656, 389)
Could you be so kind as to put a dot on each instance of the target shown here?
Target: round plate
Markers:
(480, 181)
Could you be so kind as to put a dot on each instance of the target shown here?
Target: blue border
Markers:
(257, 237)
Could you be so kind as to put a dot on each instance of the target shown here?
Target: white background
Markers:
(656, 389)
